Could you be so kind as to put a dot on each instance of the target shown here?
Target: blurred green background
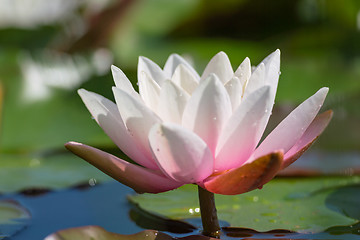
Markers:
(48, 49)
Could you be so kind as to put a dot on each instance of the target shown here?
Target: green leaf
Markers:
(297, 204)
(20, 172)
(12, 217)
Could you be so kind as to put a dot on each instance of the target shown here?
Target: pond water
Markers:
(106, 205)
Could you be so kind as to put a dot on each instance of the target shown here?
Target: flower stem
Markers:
(209, 218)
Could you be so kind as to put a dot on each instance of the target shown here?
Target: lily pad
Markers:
(296, 204)
(45, 172)
(12, 218)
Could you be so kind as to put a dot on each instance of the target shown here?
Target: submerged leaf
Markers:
(45, 172)
(12, 218)
(99, 233)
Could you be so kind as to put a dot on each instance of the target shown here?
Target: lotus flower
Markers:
(185, 128)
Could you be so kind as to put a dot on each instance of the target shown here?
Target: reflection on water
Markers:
(325, 163)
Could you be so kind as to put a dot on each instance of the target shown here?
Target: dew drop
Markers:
(92, 117)
(92, 182)
(214, 118)
(279, 73)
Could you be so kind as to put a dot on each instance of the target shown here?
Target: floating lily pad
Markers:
(297, 204)
(45, 172)
(12, 218)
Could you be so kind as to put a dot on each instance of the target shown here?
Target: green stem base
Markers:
(208, 212)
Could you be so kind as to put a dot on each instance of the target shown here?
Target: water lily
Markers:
(183, 128)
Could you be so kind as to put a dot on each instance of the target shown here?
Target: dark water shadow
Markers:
(345, 200)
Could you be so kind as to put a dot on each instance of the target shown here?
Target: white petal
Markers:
(272, 65)
(180, 153)
(149, 91)
(137, 118)
(243, 131)
(184, 78)
(244, 72)
(221, 66)
(207, 110)
(256, 81)
(152, 69)
(107, 116)
(173, 62)
(120, 79)
(172, 102)
(288, 132)
(234, 89)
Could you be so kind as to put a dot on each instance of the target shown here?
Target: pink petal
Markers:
(219, 65)
(108, 117)
(180, 153)
(172, 102)
(152, 69)
(317, 126)
(288, 132)
(138, 178)
(247, 177)
(173, 62)
(138, 120)
(207, 110)
(243, 130)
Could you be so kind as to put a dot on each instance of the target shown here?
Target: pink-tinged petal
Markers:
(207, 110)
(122, 82)
(317, 126)
(243, 72)
(247, 177)
(138, 178)
(219, 65)
(152, 69)
(107, 115)
(256, 81)
(180, 153)
(288, 132)
(149, 91)
(173, 62)
(172, 102)
(138, 120)
(184, 78)
(234, 89)
(243, 130)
